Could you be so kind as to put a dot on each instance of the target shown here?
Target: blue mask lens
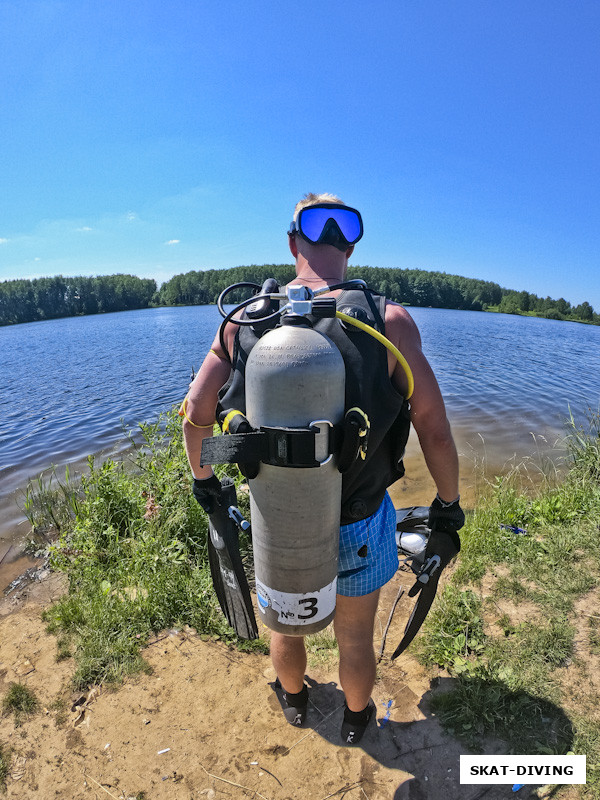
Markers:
(312, 222)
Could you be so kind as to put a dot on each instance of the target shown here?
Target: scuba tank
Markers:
(295, 377)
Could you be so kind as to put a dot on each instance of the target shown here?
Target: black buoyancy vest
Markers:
(368, 386)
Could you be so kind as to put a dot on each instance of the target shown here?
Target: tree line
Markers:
(49, 298)
(414, 287)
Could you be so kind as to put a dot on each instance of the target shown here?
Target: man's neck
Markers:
(323, 273)
(306, 279)
(319, 263)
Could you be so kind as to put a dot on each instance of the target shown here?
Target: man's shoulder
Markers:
(400, 327)
(397, 314)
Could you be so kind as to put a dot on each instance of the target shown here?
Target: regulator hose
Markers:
(386, 343)
(358, 284)
(228, 317)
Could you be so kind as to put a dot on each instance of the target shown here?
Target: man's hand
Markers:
(445, 520)
(207, 492)
(446, 517)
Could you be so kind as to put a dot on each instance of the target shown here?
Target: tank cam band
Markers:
(280, 447)
(288, 447)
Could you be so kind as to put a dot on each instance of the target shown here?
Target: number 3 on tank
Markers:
(310, 604)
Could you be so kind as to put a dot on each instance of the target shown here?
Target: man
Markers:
(321, 242)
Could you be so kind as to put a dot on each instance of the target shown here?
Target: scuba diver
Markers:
(321, 239)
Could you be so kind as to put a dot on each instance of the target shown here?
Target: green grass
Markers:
(20, 701)
(132, 541)
(321, 648)
(505, 627)
(4, 766)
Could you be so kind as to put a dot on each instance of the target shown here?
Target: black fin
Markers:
(226, 568)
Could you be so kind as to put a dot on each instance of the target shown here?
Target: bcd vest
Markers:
(368, 387)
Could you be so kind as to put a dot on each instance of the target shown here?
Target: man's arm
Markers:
(428, 412)
(201, 406)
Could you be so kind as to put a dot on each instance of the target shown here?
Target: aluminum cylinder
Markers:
(295, 376)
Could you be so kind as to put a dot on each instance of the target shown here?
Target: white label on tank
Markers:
(293, 608)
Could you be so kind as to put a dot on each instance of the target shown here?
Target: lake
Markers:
(70, 385)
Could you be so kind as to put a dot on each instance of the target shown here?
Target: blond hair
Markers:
(310, 199)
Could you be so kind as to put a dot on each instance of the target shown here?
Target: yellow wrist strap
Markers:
(183, 413)
(221, 358)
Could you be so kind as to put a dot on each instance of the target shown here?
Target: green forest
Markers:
(49, 298)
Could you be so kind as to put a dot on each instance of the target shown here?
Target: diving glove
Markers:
(445, 520)
(446, 517)
(207, 492)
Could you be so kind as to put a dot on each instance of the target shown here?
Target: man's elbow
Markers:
(437, 436)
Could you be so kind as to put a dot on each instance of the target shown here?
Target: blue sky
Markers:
(158, 137)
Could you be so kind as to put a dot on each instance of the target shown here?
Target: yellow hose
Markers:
(386, 343)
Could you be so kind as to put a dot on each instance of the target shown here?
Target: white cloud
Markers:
(84, 229)
(3, 241)
(173, 241)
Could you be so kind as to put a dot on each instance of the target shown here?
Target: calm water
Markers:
(68, 384)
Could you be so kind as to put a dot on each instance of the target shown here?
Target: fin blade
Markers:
(227, 570)
(420, 610)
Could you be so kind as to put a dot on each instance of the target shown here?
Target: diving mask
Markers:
(328, 223)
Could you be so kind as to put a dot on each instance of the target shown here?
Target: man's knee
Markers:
(354, 619)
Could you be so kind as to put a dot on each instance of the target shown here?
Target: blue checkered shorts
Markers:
(359, 576)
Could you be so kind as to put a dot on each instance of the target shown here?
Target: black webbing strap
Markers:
(280, 447)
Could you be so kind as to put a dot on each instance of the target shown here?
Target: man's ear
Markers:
(349, 251)
(293, 246)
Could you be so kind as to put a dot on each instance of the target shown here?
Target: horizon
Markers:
(181, 139)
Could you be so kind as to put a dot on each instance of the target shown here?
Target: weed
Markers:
(21, 701)
(63, 648)
(60, 706)
(483, 706)
(321, 647)
(455, 636)
(4, 766)
(49, 505)
(512, 589)
(508, 628)
(587, 742)
(584, 447)
(594, 635)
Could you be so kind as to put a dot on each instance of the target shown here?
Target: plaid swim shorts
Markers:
(358, 575)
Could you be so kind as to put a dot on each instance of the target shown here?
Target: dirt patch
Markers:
(516, 612)
(206, 724)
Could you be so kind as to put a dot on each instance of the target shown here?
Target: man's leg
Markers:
(289, 659)
(353, 624)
